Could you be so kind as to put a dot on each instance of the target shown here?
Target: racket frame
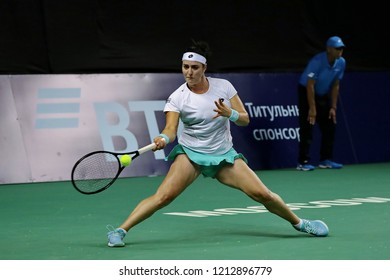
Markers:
(133, 154)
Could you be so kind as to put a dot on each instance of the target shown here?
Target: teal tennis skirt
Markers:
(209, 164)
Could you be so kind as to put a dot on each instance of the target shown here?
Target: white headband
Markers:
(191, 56)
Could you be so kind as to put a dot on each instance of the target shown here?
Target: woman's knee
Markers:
(164, 199)
(262, 196)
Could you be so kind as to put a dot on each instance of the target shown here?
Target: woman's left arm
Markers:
(237, 105)
(236, 113)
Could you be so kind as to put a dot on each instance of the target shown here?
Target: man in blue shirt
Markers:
(318, 92)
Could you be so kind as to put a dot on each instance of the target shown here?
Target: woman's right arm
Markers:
(170, 130)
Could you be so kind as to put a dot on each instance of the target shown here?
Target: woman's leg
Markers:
(241, 177)
(180, 175)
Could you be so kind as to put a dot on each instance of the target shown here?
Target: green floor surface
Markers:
(51, 221)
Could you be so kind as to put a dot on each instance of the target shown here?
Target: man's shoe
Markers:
(115, 237)
(330, 164)
(317, 227)
(305, 167)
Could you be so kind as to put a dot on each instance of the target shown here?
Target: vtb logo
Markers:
(53, 112)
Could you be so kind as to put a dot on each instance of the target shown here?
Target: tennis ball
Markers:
(125, 160)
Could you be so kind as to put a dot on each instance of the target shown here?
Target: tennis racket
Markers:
(98, 170)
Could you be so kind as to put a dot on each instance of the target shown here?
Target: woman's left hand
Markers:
(222, 109)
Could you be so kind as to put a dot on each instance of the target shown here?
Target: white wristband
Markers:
(234, 116)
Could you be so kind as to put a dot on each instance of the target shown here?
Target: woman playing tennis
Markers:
(207, 107)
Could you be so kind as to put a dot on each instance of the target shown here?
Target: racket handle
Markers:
(146, 148)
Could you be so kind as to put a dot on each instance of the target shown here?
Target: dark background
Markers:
(124, 36)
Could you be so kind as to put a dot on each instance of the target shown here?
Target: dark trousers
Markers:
(326, 125)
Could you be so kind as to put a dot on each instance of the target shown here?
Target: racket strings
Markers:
(96, 172)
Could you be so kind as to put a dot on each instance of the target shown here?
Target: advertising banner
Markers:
(49, 121)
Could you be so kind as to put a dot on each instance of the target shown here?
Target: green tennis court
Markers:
(52, 221)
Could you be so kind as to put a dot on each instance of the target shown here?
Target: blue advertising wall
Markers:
(363, 119)
(47, 122)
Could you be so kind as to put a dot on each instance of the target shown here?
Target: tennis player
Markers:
(207, 107)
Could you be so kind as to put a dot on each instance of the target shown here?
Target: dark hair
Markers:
(200, 47)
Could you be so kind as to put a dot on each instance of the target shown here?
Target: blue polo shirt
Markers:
(325, 75)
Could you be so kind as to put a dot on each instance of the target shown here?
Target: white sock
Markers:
(298, 225)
